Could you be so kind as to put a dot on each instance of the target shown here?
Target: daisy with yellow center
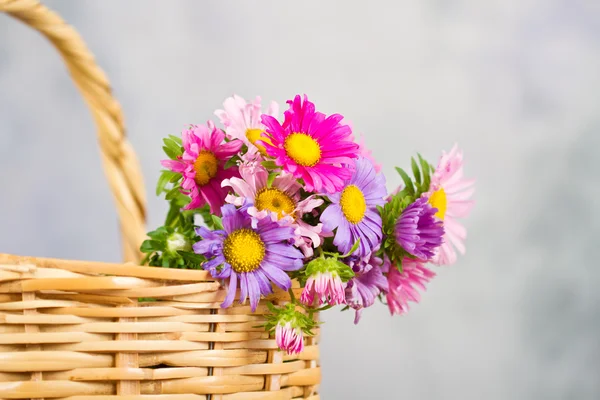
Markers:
(202, 165)
(242, 122)
(279, 202)
(451, 194)
(249, 257)
(353, 213)
(311, 146)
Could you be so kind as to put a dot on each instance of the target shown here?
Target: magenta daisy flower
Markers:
(403, 286)
(242, 122)
(418, 231)
(451, 194)
(353, 213)
(280, 201)
(254, 257)
(367, 284)
(202, 165)
(315, 148)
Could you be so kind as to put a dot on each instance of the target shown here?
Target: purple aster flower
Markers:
(252, 257)
(418, 231)
(354, 213)
(367, 284)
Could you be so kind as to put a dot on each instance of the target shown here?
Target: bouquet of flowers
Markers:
(262, 202)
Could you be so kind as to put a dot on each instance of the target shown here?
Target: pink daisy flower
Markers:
(327, 286)
(289, 338)
(242, 122)
(312, 147)
(365, 152)
(281, 201)
(403, 287)
(202, 165)
(451, 194)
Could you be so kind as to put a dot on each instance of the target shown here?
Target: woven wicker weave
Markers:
(83, 330)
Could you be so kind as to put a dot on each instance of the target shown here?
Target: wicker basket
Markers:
(81, 330)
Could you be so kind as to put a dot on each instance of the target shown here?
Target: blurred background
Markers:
(515, 83)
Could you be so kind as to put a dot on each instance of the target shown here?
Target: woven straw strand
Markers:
(120, 163)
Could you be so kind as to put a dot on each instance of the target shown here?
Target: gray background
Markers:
(515, 83)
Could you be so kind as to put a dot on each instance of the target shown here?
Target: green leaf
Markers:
(346, 273)
(269, 164)
(146, 299)
(407, 181)
(399, 264)
(353, 249)
(159, 233)
(415, 169)
(427, 171)
(172, 154)
(271, 178)
(192, 257)
(166, 177)
(232, 162)
(217, 222)
(176, 139)
(172, 193)
(149, 246)
(172, 148)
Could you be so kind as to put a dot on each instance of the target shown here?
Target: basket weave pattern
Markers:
(82, 330)
(77, 330)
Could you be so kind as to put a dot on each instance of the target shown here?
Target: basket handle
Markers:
(120, 163)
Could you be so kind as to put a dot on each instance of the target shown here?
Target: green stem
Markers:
(145, 260)
(292, 295)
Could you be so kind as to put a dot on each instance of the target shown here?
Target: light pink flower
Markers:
(280, 202)
(242, 121)
(404, 287)
(326, 286)
(451, 194)
(289, 339)
(202, 165)
(365, 152)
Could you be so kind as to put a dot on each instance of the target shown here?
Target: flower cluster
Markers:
(295, 204)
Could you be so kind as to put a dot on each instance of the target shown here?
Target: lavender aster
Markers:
(367, 284)
(252, 257)
(418, 231)
(354, 213)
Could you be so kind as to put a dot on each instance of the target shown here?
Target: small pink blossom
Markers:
(327, 286)
(403, 287)
(289, 339)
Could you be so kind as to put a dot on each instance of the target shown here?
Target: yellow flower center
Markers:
(244, 250)
(353, 204)
(253, 135)
(206, 167)
(303, 149)
(275, 200)
(438, 200)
